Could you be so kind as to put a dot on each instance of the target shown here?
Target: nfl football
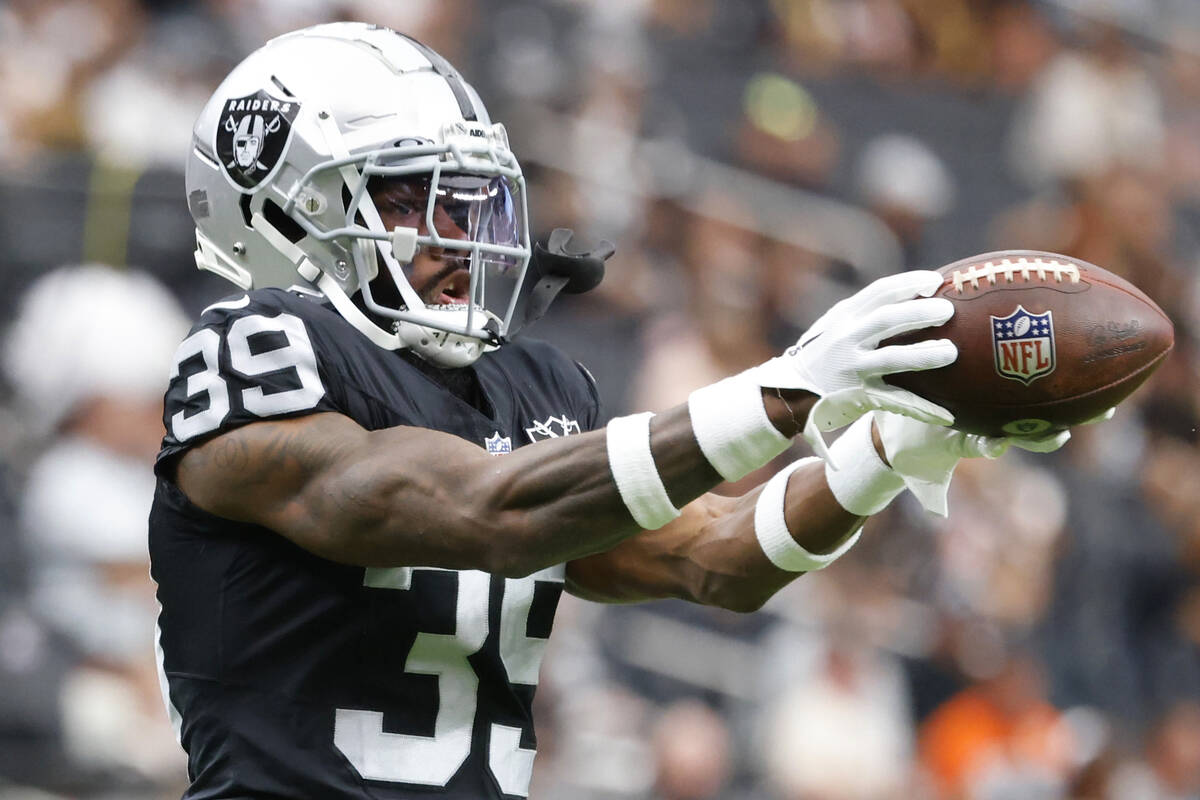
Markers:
(1044, 341)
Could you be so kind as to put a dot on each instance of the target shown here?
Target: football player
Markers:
(370, 495)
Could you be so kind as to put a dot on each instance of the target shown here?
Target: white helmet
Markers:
(277, 184)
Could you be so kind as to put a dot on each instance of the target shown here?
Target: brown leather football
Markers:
(1044, 341)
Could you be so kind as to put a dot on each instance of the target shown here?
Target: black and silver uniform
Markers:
(290, 676)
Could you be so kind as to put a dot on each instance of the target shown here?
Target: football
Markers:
(1044, 341)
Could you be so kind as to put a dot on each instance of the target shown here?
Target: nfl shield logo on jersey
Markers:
(251, 136)
(498, 445)
(1024, 345)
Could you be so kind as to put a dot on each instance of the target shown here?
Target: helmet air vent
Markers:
(287, 226)
(244, 205)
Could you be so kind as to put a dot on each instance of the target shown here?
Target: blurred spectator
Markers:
(51, 51)
(91, 337)
(1022, 43)
(140, 112)
(88, 355)
(1182, 97)
(997, 549)
(692, 753)
(32, 664)
(1001, 738)
(842, 728)
(784, 134)
(717, 330)
(723, 327)
(906, 185)
(1116, 594)
(1089, 111)
(1169, 768)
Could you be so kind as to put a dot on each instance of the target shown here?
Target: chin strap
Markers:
(444, 348)
(351, 313)
(559, 269)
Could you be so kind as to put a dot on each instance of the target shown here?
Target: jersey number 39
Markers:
(267, 352)
(434, 760)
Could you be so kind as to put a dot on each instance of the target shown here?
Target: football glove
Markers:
(839, 358)
(925, 456)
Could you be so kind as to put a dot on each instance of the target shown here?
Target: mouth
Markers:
(450, 286)
(456, 289)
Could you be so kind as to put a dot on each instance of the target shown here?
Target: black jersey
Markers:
(290, 676)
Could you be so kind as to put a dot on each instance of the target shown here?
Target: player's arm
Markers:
(711, 554)
(408, 496)
(736, 553)
(412, 496)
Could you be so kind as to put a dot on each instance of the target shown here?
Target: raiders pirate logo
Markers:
(252, 134)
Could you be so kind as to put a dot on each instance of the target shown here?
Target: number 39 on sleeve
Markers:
(268, 354)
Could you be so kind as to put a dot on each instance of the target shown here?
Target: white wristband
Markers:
(635, 473)
(770, 527)
(732, 427)
(862, 483)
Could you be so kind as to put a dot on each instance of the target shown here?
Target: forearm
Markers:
(711, 554)
(731, 569)
(409, 496)
(543, 504)
(806, 516)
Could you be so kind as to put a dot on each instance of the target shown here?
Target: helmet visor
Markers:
(470, 234)
(454, 212)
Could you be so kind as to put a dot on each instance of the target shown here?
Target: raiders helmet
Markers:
(278, 174)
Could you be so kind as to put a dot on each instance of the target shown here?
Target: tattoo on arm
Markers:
(230, 454)
(248, 472)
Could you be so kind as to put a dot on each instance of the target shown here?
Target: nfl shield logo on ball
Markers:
(1024, 345)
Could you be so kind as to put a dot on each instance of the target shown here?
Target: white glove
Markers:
(839, 359)
(925, 455)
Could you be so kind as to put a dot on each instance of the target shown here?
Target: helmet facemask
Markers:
(435, 217)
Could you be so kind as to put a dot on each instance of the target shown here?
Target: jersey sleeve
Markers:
(247, 359)
(592, 415)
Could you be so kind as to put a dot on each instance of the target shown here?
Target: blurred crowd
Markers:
(754, 160)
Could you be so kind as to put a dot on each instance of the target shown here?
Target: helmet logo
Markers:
(252, 134)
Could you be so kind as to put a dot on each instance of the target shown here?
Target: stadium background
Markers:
(754, 160)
